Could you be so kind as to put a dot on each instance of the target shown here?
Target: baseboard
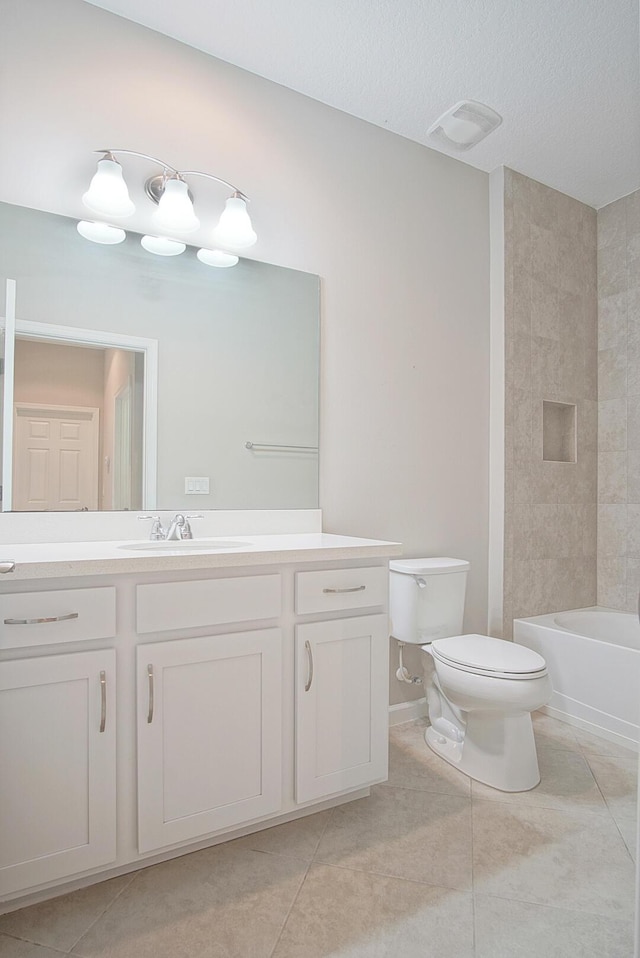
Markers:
(407, 711)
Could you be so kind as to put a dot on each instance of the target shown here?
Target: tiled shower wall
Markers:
(551, 354)
(619, 403)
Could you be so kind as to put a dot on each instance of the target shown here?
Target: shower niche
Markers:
(559, 432)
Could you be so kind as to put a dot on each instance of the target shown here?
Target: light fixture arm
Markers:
(180, 173)
(145, 156)
(210, 176)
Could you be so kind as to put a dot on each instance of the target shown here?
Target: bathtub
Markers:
(593, 657)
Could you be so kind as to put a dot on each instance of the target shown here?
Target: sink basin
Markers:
(187, 545)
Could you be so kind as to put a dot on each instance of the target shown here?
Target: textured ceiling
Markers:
(564, 74)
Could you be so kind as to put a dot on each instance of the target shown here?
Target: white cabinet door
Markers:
(57, 767)
(209, 734)
(342, 694)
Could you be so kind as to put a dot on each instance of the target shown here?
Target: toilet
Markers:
(480, 690)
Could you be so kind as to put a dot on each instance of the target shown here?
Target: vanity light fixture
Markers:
(216, 257)
(162, 245)
(108, 196)
(108, 193)
(101, 232)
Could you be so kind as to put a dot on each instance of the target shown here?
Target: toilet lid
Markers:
(487, 656)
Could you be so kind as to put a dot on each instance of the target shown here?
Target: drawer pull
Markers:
(150, 681)
(7, 566)
(103, 701)
(358, 588)
(307, 646)
(53, 618)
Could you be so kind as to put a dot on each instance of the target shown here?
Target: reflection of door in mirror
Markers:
(55, 458)
(75, 407)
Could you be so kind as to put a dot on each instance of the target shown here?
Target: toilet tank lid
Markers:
(433, 566)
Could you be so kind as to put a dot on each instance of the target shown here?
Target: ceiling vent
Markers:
(464, 125)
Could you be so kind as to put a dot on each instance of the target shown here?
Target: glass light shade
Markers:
(175, 210)
(162, 246)
(108, 194)
(101, 233)
(216, 257)
(234, 229)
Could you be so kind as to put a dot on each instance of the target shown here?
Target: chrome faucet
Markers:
(178, 529)
(175, 529)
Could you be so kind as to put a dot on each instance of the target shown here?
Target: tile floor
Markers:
(429, 865)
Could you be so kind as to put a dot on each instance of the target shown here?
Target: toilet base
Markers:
(499, 751)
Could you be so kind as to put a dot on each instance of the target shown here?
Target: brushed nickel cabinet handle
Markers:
(358, 588)
(7, 566)
(150, 681)
(52, 618)
(103, 701)
(307, 646)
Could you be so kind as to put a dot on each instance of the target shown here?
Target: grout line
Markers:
(473, 877)
(413, 881)
(430, 791)
(132, 878)
(30, 941)
(290, 909)
(560, 908)
(309, 864)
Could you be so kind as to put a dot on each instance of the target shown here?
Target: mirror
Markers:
(147, 382)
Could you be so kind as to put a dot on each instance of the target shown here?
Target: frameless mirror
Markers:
(147, 382)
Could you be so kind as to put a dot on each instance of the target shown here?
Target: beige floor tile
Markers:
(412, 764)
(565, 782)
(510, 929)
(346, 914)
(405, 833)
(595, 745)
(61, 922)
(569, 858)
(552, 733)
(617, 777)
(223, 902)
(298, 839)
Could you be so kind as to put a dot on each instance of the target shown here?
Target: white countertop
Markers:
(61, 559)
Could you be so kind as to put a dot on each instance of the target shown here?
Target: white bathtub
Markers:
(593, 657)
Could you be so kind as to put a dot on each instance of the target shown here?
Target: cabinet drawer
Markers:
(338, 589)
(189, 605)
(64, 615)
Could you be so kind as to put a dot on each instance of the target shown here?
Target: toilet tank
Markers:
(426, 598)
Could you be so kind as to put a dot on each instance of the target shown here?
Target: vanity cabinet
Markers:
(246, 697)
(57, 767)
(341, 705)
(209, 734)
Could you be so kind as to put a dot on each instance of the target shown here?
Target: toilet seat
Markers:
(483, 655)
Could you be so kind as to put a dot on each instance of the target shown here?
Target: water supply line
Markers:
(402, 673)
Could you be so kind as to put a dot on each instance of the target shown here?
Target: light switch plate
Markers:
(196, 485)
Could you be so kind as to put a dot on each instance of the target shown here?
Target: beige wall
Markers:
(619, 403)
(56, 374)
(398, 233)
(550, 354)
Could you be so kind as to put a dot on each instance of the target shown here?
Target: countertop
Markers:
(61, 559)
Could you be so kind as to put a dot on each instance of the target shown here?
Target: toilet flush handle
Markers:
(419, 581)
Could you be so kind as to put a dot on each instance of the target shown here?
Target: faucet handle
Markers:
(186, 528)
(157, 532)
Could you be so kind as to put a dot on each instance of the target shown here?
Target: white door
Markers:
(209, 734)
(55, 458)
(57, 767)
(342, 703)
